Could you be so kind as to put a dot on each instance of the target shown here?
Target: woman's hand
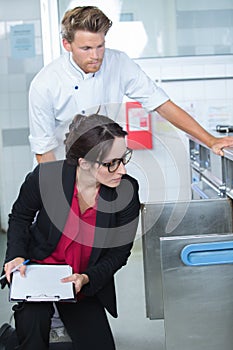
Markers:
(78, 279)
(10, 265)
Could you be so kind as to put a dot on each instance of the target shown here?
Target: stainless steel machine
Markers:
(197, 217)
(193, 292)
(207, 172)
(228, 171)
(197, 291)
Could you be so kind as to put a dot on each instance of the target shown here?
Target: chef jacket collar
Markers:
(84, 75)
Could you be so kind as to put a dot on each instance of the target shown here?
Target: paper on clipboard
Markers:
(42, 283)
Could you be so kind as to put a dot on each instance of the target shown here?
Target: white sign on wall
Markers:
(22, 38)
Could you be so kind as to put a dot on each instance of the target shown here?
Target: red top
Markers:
(75, 245)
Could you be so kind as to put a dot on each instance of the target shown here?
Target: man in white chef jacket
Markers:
(88, 77)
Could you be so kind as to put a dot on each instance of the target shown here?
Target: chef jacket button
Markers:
(76, 87)
(83, 112)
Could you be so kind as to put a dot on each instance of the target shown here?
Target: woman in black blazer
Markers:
(86, 210)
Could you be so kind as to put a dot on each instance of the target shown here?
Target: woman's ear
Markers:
(84, 164)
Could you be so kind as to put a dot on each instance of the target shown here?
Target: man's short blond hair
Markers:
(87, 18)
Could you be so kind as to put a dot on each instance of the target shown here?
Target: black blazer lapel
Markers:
(103, 221)
(68, 180)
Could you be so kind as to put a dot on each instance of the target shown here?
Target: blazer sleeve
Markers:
(22, 216)
(113, 258)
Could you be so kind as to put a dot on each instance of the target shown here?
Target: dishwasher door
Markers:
(197, 277)
(207, 216)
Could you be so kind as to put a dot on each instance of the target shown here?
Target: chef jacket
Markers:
(61, 90)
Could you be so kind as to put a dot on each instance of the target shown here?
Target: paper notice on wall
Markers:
(138, 119)
(22, 39)
(219, 115)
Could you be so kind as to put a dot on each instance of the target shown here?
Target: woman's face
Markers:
(101, 173)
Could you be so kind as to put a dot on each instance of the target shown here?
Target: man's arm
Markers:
(46, 157)
(42, 136)
(182, 120)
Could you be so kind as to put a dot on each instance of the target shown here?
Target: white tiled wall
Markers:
(210, 84)
(209, 101)
(15, 77)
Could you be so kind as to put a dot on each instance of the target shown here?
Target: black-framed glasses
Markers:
(115, 163)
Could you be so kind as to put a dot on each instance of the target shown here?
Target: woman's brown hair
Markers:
(91, 137)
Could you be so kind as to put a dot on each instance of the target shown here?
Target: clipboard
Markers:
(42, 284)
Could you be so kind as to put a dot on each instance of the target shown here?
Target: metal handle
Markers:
(221, 190)
(224, 128)
(207, 253)
(201, 193)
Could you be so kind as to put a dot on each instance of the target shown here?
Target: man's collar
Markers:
(84, 75)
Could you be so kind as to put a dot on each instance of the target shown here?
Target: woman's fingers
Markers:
(12, 265)
(76, 278)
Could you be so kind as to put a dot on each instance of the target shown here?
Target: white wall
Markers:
(15, 77)
(204, 87)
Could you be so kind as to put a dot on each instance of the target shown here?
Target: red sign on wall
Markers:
(138, 126)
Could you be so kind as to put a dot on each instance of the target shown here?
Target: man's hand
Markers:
(182, 120)
(219, 143)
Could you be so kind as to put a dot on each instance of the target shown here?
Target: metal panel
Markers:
(198, 303)
(228, 170)
(172, 219)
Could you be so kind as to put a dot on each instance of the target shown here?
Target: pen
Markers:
(16, 268)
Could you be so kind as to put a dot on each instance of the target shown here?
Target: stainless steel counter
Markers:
(210, 173)
(228, 171)
(212, 132)
(228, 153)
